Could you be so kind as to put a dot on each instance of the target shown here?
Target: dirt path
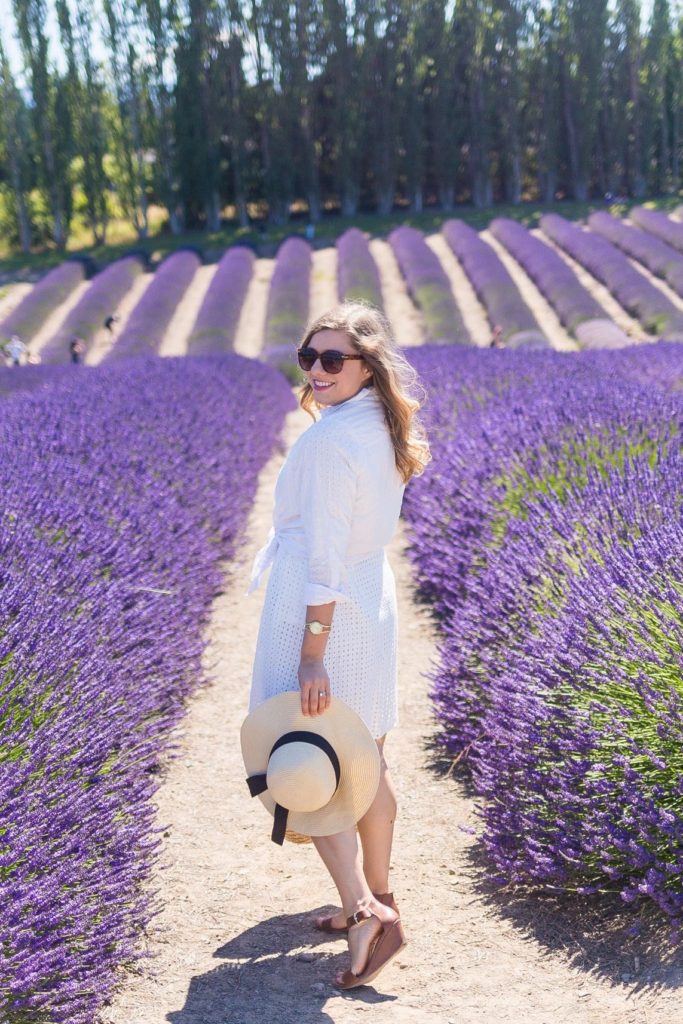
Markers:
(233, 944)
(323, 282)
(547, 318)
(11, 295)
(473, 313)
(249, 332)
(404, 316)
(104, 341)
(174, 341)
(613, 310)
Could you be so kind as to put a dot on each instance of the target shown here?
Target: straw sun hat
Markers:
(316, 775)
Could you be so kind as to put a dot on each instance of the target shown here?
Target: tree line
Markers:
(260, 104)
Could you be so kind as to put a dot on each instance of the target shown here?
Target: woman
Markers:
(329, 616)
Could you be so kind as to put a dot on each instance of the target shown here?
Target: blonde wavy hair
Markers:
(393, 378)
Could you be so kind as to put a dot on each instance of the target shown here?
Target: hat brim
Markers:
(344, 729)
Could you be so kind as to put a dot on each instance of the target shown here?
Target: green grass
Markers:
(122, 237)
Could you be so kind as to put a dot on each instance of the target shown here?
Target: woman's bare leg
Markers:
(341, 857)
(376, 831)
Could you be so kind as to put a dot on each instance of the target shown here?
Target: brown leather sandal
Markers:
(324, 924)
(390, 941)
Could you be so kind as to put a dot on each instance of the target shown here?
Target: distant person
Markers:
(110, 321)
(310, 232)
(76, 349)
(497, 337)
(15, 349)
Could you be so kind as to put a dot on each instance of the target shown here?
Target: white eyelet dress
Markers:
(337, 503)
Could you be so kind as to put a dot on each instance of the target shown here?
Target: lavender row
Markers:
(557, 576)
(654, 254)
(357, 273)
(101, 299)
(122, 495)
(635, 293)
(669, 231)
(288, 297)
(49, 293)
(494, 286)
(217, 319)
(429, 287)
(575, 306)
(145, 328)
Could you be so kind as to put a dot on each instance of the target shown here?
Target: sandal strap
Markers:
(358, 917)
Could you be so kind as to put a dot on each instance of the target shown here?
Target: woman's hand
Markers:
(314, 683)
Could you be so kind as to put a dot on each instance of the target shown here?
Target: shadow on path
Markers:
(598, 935)
(272, 971)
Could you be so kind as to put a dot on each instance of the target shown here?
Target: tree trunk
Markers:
(446, 196)
(385, 200)
(349, 200)
(213, 212)
(572, 143)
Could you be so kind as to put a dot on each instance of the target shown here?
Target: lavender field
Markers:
(122, 496)
(545, 536)
(625, 259)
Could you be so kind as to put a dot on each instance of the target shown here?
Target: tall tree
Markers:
(443, 97)
(411, 72)
(123, 36)
(342, 95)
(582, 27)
(385, 29)
(657, 58)
(85, 98)
(161, 22)
(473, 29)
(238, 112)
(627, 26)
(15, 135)
(31, 18)
(201, 101)
(508, 28)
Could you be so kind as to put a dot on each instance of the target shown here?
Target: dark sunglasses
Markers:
(331, 360)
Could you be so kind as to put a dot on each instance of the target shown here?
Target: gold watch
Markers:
(316, 628)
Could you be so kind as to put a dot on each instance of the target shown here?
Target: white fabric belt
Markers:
(293, 543)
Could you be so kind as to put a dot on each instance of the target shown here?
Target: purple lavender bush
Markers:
(635, 293)
(575, 306)
(101, 298)
(654, 254)
(123, 493)
(668, 230)
(357, 273)
(45, 296)
(145, 328)
(288, 305)
(288, 297)
(429, 287)
(547, 532)
(31, 377)
(217, 319)
(494, 286)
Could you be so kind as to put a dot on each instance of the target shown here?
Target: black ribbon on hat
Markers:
(258, 784)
